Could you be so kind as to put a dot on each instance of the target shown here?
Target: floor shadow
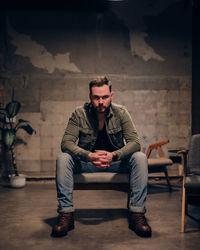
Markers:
(97, 216)
(50, 221)
(159, 188)
(94, 216)
(194, 218)
(6, 186)
(188, 231)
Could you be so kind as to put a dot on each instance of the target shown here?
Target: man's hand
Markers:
(101, 158)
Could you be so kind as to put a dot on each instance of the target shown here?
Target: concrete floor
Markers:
(26, 217)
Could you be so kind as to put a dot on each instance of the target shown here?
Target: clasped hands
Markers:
(101, 158)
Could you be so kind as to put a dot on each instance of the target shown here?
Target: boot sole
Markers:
(141, 233)
(62, 233)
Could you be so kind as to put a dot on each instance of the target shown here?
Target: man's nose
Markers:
(100, 100)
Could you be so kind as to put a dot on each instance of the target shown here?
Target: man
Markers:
(100, 127)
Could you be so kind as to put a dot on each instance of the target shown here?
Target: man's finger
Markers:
(101, 152)
(104, 160)
(96, 162)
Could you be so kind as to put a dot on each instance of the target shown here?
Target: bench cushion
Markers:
(106, 177)
(101, 178)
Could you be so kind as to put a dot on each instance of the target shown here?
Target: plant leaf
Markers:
(22, 120)
(8, 137)
(28, 128)
(2, 111)
(12, 109)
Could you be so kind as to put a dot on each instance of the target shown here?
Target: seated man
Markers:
(100, 127)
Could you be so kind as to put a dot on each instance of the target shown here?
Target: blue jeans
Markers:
(136, 165)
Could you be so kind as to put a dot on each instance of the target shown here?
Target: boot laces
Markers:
(140, 219)
(62, 219)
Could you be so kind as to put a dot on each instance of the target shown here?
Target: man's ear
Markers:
(111, 95)
(90, 96)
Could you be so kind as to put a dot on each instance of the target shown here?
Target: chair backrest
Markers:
(193, 166)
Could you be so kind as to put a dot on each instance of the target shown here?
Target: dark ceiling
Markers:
(72, 5)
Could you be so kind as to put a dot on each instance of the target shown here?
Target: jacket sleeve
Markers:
(130, 135)
(70, 138)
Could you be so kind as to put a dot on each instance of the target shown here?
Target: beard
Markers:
(101, 109)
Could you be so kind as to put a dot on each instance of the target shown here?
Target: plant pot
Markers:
(17, 181)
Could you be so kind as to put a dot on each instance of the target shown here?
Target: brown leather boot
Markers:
(65, 223)
(138, 223)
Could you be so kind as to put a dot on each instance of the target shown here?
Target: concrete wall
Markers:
(49, 57)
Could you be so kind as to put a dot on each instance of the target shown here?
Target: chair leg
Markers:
(183, 210)
(186, 204)
(129, 194)
(128, 200)
(167, 178)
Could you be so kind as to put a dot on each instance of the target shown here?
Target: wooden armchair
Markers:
(159, 164)
(191, 175)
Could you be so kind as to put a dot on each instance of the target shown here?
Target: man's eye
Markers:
(105, 97)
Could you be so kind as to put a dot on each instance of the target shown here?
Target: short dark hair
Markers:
(100, 81)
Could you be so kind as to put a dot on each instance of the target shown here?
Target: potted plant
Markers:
(9, 129)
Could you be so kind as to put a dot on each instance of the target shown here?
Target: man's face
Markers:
(101, 98)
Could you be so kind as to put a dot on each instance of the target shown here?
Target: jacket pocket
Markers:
(116, 137)
(85, 138)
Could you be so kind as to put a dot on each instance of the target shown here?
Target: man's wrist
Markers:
(115, 157)
(90, 156)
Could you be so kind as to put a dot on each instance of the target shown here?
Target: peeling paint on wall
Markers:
(141, 48)
(39, 56)
(132, 13)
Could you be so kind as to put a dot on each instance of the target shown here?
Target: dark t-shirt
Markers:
(103, 142)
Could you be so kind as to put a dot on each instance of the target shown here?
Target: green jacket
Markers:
(82, 130)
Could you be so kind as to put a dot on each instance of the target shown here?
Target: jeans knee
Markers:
(64, 169)
(64, 157)
(139, 156)
(63, 160)
(139, 159)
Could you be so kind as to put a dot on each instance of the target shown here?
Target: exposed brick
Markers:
(30, 150)
(29, 165)
(48, 165)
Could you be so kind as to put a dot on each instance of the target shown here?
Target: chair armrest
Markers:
(157, 146)
(184, 153)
